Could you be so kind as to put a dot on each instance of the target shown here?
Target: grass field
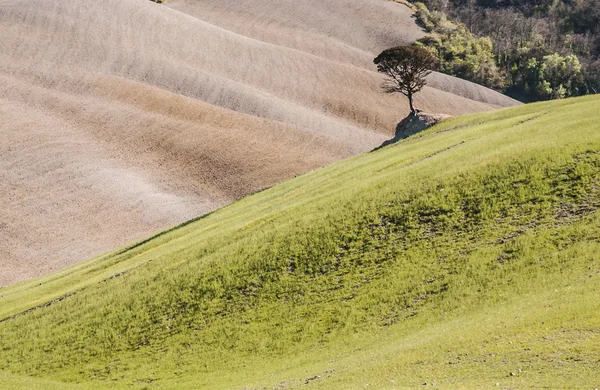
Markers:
(463, 257)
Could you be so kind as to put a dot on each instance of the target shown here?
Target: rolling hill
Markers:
(120, 118)
(465, 256)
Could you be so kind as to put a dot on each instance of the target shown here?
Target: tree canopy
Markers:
(406, 68)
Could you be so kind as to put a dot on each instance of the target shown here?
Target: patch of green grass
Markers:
(464, 256)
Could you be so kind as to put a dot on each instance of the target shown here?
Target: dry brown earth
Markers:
(122, 117)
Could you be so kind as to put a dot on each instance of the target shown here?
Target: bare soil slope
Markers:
(121, 117)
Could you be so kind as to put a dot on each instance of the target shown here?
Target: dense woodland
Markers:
(530, 50)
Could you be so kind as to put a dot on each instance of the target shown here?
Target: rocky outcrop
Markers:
(413, 124)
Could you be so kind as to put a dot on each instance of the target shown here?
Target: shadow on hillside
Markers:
(413, 124)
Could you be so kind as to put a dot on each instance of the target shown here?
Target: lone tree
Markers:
(406, 68)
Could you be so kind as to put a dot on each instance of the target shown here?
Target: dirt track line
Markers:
(62, 298)
(531, 118)
(427, 157)
(59, 299)
(435, 154)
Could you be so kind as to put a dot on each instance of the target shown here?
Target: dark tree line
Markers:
(541, 49)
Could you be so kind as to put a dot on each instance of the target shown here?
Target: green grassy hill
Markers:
(467, 256)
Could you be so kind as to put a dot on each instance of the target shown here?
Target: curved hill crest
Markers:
(122, 117)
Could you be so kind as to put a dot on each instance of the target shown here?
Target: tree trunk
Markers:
(410, 102)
